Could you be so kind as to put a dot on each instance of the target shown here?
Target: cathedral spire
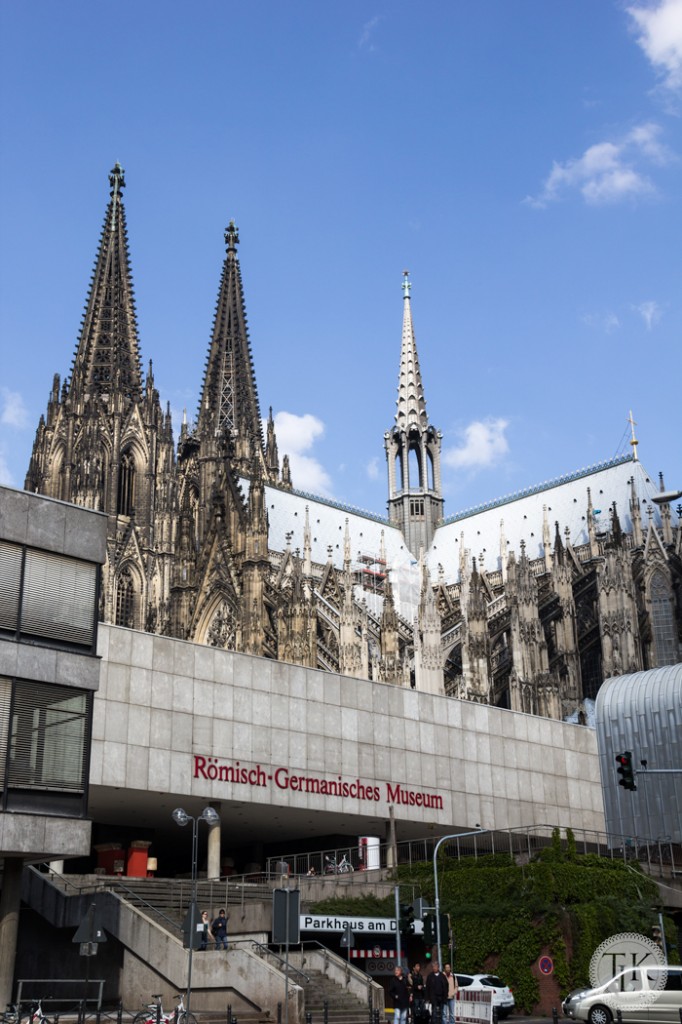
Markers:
(411, 404)
(228, 407)
(107, 359)
(415, 501)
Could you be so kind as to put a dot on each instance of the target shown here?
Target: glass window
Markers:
(48, 735)
(662, 621)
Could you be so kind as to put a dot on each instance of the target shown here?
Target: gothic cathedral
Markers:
(527, 603)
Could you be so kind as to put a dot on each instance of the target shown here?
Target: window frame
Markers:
(17, 630)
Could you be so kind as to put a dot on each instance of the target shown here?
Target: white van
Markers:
(644, 995)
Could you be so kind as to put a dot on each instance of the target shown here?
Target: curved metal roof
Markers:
(642, 713)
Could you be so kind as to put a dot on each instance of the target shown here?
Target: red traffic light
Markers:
(626, 771)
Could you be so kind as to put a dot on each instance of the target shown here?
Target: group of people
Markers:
(215, 930)
(415, 992)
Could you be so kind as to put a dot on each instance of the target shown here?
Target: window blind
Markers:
(5, 702)
(10, 578)
(48, 738)
(59, 598)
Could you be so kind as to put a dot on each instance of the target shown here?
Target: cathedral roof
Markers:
(518, 518)
(372, 541)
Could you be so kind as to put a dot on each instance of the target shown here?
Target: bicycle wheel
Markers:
(143, 1017)
(186, 1018)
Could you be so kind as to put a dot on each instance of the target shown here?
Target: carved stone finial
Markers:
(231, 237)
(116, 178)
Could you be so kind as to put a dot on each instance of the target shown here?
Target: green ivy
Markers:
(504, 914)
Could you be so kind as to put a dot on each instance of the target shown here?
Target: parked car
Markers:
(644, 995)
(503, 998)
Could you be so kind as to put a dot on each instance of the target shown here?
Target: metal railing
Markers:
(26, 992)
(264, 951)
(658, 856)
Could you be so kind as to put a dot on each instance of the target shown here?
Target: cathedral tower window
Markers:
(125, 599)
(126, 485)
(662, 621)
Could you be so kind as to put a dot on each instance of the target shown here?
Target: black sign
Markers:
(192, 928)
(90, 929)
(286, 909)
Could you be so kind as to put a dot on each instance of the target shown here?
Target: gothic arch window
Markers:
(125, 599)
(55, 480)
(399, 476)
(414, 472)
(126, 485)
(662, 620)
(429, 471)
(221, 632)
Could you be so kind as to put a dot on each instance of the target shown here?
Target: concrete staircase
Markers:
(342, 1006)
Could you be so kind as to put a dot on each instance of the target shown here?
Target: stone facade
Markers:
(209, 542)
(282, 747)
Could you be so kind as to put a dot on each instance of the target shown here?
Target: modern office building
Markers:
(50, 562)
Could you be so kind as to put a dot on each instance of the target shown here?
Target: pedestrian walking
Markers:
(399, 991)
(437, 993)
(453, 992)
(417, 983)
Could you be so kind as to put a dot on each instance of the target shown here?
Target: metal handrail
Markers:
(317, 947)
(263, 950)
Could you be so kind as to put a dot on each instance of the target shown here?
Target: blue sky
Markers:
(521, 158)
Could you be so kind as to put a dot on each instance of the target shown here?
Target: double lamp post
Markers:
(181, 817)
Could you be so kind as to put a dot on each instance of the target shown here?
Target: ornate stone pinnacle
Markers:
(231, 237)
(116, 178)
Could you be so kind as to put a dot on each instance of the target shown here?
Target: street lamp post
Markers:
(443, 839)
(181, 817)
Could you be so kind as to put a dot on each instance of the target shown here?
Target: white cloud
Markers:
(606, 322)
(6, 477)
(365, 40)
(607, 172)
(13, 412)
(295, 437)
(650, 313)
(660, 36)
(483, 444)
(373, 468)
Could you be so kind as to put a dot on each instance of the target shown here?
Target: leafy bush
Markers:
(503, 914)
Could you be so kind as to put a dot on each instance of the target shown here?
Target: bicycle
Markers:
(37, 1016)
(153, 1014)
(342, 867)
(11, 1014)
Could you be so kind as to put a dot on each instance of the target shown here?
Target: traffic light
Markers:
(418, 908)
(429, 929)
(406, 921)
(626, 771)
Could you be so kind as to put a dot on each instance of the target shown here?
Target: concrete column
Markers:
(391, 845)
(57, 866)
(10, 898)
(213, 856)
